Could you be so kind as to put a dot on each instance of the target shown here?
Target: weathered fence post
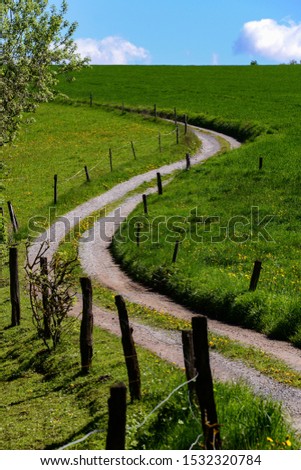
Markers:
(175, 252)
(86, 329)
(45, 296)
(117, 418)
(177, 134)
(133, 150)
(260, 163)
(14, 286)
(144, 199)
(160, 143)
(13, 217)
(187, 342)
(159, 183)
(186, 123)
(129, 350)
(255, 275)
(87, 174)
(155, 111)
(188, 163)
(204, 384)
(55, 190)
(111, 159)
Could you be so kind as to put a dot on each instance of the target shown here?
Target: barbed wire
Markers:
(81, 440)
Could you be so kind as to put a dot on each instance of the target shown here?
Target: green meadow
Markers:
(45, 402)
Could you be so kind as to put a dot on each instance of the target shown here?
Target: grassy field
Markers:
(240, 213)
(45, 393)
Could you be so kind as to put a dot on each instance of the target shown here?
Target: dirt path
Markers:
(97, 263)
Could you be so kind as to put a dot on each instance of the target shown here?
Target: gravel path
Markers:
(97, 263)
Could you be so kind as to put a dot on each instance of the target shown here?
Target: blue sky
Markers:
(187, 32)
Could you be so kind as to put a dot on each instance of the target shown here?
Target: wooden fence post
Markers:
(144, 199)
(45, 296)
(159, 183)
(86, 329)
(133, 150)
(129, 349)
(91, 99)
(175, 252)
(177, 134)
(186, 123)
(204, 384)
(155, 111)
(255, 275)
(13, 217)
(175, 116)
(160, 143)
(187, 342)
(188, 163)
(87, 174)
(260, 163)
(55, 190)
(117, 418)
(111, 159)
(14, 286)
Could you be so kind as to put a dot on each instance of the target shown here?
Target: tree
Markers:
(51, 286)
(34, 37)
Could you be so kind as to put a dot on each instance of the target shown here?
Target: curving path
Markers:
(97, 263)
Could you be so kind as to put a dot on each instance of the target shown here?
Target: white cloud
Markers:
(112, 50)
(271, 40)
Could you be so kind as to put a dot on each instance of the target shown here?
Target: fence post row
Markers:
(86, 329)
(129, 349)
(14, 286)
(204, 384)
(117, 418)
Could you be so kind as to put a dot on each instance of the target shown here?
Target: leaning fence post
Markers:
(255, 275)
(117, 418)
(14, 286)
(129, 349)
(133, 150)
(86, 329)
(12, 216)
(176, 250)
(204, 384)
(87, 174)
